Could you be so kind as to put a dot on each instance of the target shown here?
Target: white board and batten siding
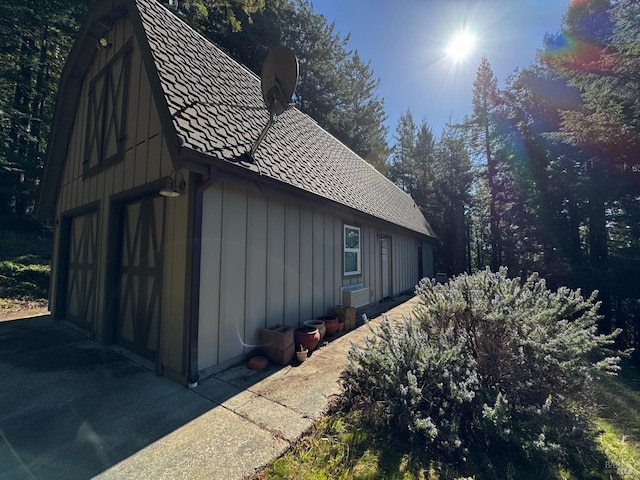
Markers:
(266, 260)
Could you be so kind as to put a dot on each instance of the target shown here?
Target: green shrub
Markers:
(412, 384)
(485, 363)
(24, 280)
(17, 240)
(25, 257)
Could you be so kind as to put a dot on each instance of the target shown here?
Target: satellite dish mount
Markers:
(278, 79)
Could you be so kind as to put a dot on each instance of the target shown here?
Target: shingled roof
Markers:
(217, 109)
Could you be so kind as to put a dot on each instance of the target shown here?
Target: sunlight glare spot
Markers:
(461, 46)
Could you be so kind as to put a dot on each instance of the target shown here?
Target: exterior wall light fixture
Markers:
(173, 185)
(103, 43)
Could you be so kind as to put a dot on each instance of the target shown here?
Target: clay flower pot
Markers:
(258, 362)
(302, 355)
(307, 336)
(331, 323)
(319, 324)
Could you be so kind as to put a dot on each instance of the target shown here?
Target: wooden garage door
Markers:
(140, 276)
(80, 298)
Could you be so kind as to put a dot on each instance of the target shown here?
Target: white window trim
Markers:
(357, 251)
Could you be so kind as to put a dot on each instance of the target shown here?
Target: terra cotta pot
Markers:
(319, 324)
(307, 336)
(331, 323)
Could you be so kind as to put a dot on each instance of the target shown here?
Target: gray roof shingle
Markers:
(217, 109)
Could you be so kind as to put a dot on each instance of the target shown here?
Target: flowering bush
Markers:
(485, 361)
(413, 384)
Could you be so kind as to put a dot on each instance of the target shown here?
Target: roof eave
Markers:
(271, 185)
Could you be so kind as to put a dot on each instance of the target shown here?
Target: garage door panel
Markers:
(140, 275)
(80, 301)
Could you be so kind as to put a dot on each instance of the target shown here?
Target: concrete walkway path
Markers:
(111, 419)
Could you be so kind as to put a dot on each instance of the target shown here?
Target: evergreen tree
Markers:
(218, 17)
(424, 158)
(479, 235)
(567, 162)
(600, 127)
(358, 120)
(35, 38)
(452, 180)
(534, 226)
(401, 170)
(483, 123)
(438, 175)
(335, 87)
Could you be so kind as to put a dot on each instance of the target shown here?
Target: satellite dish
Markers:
(278, 80)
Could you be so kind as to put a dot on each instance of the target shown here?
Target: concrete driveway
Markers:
(72, 409)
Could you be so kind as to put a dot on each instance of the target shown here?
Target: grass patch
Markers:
(25, 258)
(619, 421)
(342, 447)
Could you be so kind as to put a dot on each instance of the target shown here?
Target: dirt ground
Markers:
(405, 309)
(14, 308)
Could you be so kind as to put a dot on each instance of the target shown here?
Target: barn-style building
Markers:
(235, 243)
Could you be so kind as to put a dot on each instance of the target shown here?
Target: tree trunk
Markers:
(18, 139)
(598, 254)
(493, 211)
(575, 252)
(460, 241)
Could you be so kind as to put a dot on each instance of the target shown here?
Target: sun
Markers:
(461, 46)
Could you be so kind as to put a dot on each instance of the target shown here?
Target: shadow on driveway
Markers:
(70, 408)
(73, 409)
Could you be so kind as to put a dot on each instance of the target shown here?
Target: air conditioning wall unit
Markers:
(355, 296)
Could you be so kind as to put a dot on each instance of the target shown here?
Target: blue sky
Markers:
(405, 40)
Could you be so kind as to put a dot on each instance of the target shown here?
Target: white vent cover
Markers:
(355, 296)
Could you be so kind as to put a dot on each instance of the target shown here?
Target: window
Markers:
(351, 250)
(106, 112)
